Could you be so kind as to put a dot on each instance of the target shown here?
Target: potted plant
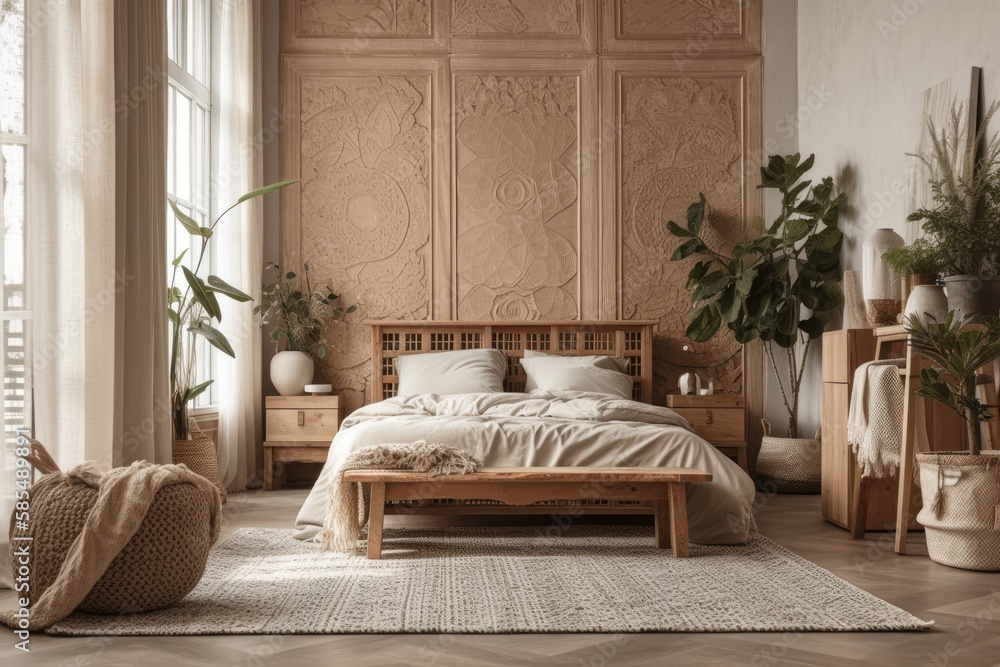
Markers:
(298, 319)
(193, 308)
(963, 222)
(922, 261)
(960, 489)
(779, 287)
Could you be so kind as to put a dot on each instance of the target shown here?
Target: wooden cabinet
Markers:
(843, 352)
(719, 418)
(299, 430)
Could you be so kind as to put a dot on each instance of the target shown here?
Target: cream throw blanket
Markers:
(875, 419)
(124, 496)
(346, 511)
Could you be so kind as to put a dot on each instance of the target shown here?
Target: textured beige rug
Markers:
(586, 579)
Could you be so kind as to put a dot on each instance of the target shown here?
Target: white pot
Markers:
(883, 294)
(291, 372)
(928, 299)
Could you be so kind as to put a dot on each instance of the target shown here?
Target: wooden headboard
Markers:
(632, 339)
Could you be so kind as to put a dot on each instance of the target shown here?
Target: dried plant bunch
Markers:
(962, 223)
(298, 317)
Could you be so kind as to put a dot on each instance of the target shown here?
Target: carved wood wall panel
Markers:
(367, 148)
(560, 26)
(356, 26)
(525, 214)
(481, 160)
(676, 131)
(686, 28)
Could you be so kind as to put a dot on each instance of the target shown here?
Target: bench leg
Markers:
(661, 519)
(679, 519)
(376, 516)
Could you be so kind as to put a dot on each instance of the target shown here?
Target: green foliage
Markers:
(193, 306)
(763, 289)
(920, 257)
(760, 289)
(962, 224)
(298, 318)
(956, 351)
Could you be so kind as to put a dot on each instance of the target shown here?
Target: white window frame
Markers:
(25, 314)
(181, 78)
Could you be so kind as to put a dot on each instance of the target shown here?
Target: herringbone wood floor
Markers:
(964, 605)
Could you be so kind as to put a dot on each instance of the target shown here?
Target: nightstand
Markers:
(299, 430)
(719, 418)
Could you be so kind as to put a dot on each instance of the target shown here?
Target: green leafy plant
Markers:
(956, 351)
(963, 222)
(764, 288)
(920, 257)
(298, 317)
(193, 309)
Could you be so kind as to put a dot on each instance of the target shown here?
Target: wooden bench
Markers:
(664, 487)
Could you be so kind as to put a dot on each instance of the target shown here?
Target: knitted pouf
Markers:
(161, 563)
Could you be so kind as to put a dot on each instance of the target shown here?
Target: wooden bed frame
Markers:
(632, 339)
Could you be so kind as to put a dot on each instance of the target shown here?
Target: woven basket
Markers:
(199, 454)
(961, 519)
(788, 465)
(161, 564)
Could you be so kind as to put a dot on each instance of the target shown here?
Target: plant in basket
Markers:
(778, 286)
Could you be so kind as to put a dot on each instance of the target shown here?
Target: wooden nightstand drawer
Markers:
(303, 418)
(717, 425)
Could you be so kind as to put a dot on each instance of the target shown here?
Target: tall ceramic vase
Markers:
(291, 372)
(882, 286)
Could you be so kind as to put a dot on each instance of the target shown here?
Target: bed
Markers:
(552, 429)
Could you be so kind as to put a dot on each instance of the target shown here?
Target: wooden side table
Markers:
(719, 418)
(299, 429)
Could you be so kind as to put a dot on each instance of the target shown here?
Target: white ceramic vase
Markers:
(927, 299)
(882, 287)
(291, 372)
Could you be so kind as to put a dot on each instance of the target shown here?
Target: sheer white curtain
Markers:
(240, 234)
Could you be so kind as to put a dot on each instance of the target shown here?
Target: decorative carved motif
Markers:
(395, 18)
(680, 17)
(680, 136)
(516, 194)
(366, 206)
(515, 17)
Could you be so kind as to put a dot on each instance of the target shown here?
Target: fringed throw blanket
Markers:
(346, 511)
(875, 419)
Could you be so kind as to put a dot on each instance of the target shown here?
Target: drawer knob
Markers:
(708, 417)
(302, 418)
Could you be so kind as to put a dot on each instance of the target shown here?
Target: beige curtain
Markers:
(240, 234)
(73, 283)
(142, 428)
(98, 230)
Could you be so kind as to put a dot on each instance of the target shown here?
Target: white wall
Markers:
(861, 66)
(781, 135)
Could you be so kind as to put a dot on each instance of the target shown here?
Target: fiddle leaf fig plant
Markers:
(780, 286)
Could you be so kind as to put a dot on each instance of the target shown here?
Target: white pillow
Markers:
(553, 374)
(599, 360)
(456, 372)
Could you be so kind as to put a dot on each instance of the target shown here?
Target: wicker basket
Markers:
(961, 508)
(161, 564)
(788, 465)
(199, 454)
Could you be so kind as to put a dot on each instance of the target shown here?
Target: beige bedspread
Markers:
(551, 429)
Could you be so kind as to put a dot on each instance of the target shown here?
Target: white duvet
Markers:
(551, 429)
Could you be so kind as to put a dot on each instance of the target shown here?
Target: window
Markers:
(189, 146)
(14, 157)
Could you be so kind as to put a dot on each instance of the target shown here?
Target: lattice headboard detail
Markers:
(631, 339)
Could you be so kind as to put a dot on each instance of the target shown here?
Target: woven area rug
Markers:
(502, 580)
